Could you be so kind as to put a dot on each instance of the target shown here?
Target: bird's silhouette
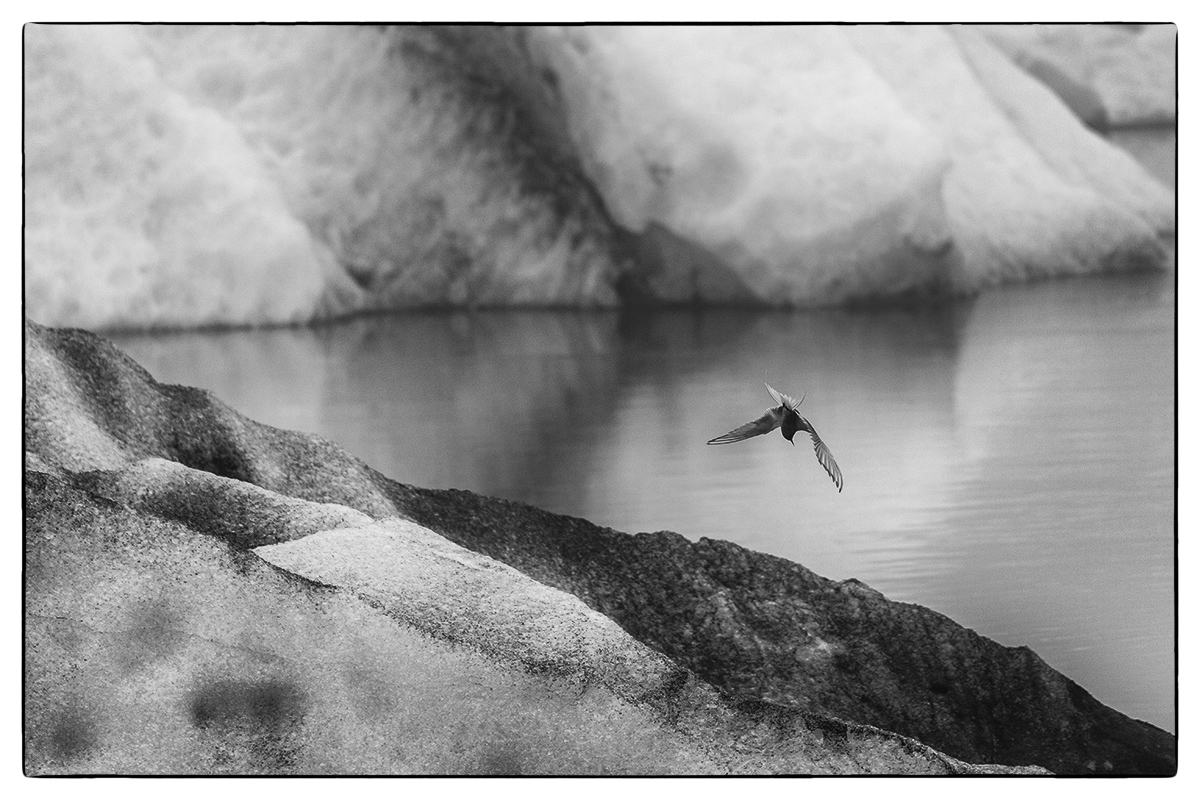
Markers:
(785, 416)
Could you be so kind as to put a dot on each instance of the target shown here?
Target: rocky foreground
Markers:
(205, 594)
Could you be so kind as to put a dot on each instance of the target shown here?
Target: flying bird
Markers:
(786, 416)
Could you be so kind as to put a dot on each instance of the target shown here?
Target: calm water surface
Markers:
(1009, 460)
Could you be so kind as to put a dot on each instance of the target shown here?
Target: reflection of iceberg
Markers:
(1064, 415)
(480, 401)
(1016, 344)
(218, 175)
(579, 412)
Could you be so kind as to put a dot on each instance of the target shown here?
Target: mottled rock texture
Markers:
(765, 627)
(154, 647)
(203, 592)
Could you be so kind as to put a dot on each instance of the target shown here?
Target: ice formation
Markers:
(143, 209)
(826, 163)
(215, 175)
(1112, 75)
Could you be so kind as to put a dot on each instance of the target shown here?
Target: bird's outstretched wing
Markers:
(785, 400)
(823, 454)
(764, 424)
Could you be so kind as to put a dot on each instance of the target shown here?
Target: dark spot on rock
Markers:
(503, 758)
(209, 453)
(154, 632)
(265, 716)
(270, 702)
(846, 662)
(201, 438)
(75, 733)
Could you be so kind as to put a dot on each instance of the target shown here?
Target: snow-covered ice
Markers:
(143, 209)
(198, 175)
(1113, 74)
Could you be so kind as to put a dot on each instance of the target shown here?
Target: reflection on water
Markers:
(1009, 461)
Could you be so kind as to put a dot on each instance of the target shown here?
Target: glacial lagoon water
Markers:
(1009, 459)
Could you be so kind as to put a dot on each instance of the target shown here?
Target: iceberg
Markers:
(824, 164)
(143, 209)
(183, 176)
(1110, 75)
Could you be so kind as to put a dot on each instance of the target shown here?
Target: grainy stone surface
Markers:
(764, 627)
(155, 648)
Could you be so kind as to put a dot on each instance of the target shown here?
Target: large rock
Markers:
(192, 175)
(144, 499)
(153, 647)
(765, 627)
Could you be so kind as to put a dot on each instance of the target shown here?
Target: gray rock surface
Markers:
(156, 648)
(765, 627)
(202, 592)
